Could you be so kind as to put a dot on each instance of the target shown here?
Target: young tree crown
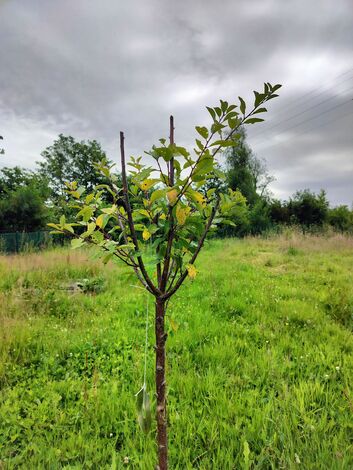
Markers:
(164, 207)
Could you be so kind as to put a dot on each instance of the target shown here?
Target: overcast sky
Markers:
(92, 68)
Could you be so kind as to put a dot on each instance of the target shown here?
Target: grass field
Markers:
(259, 360)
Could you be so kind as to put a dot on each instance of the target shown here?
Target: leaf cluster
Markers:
(158, 220)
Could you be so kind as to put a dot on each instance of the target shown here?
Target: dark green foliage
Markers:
(23, 210)
(69, 160)
(15, 178)
(259, 217)
(308, 208)
(22, 200)
(246, 172)
(279, 212)
(239, 169)
(341, 218)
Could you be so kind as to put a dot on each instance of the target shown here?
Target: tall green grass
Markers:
(259, 360)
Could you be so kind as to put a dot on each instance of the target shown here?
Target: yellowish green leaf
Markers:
(146, 234)
(191, 271)
(181, 214)
(172, 196)
(148, 183)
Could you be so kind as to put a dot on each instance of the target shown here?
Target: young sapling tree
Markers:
(164, 208)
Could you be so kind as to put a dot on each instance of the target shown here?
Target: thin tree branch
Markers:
(92, 242)
(188, 181)
(135, 266)
(164, 278)
(171, 141)
(172, 291)
(145, 275)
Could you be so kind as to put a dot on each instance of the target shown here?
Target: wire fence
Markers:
(17, 242)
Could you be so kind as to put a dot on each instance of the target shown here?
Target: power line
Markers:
(319, 92)
(312, 92)
(311, 118)
(310, 129)
(303, 112)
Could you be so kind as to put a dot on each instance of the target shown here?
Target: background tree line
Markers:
(31, 198)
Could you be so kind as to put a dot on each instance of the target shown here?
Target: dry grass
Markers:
(307, 242)
(25, 262)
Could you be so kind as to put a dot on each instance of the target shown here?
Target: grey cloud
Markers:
(91, 69)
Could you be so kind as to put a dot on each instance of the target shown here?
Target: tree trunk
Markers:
(161, 386)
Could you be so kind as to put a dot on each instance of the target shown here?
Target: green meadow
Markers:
(259, 359)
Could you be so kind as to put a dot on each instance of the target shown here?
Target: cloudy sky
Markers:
(92, 68)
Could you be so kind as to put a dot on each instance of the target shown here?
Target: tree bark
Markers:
(161, 386)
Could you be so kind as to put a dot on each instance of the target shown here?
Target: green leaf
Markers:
(89, 198)
(86, 213)
(81, 190)
(158, 194)
(62, 221)
(110, 210)
(143, 406)
(276, 87)
(77, 243)
(233, 123)
(90, 229)
(195, 197)
(188, 163)
(242, 105)
(205, 165)
(259, 97)
(199, 144)
(182, 151)
(224, 143)
(143, 212)
(212, 112)
(102, 220)
(272, 96)
(260, 110)
(217, 126)
(97, 237)
(153, 228)
(203, 131)
(174, 325)
(148, 183)
(69, 228)
(231, 107)
(57, 227)
(107, 257)
(231, 115)
(220, 174)
(253, 120)
(224, 106)
(228, 222)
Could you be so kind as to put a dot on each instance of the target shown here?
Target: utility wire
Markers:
(301, 113)
(283, 131)
(296, 104)
(308, 130)
(295, 101)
